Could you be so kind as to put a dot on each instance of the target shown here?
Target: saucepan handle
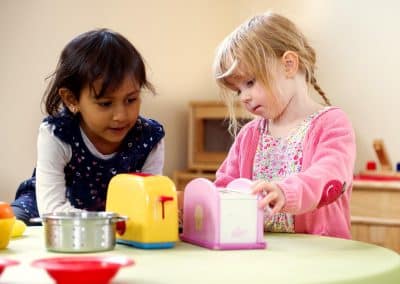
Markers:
(120, 224)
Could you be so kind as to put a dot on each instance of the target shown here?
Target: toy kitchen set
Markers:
(215, 218)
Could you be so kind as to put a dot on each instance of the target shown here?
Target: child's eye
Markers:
(250, 83)
(104, 104)
(131, 100)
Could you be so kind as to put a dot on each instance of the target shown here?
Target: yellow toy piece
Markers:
(150, 203)
(6, 225)
(18, 228)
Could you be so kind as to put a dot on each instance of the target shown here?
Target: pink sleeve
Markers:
(328, 154)
(239, 161)
(229, 169)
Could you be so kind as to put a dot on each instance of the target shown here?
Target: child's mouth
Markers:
(117, 129)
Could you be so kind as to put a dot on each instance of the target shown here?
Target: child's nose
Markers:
(245, 96)
(120, 113)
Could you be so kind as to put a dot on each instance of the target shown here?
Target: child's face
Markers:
(255, 97)
(260, 101)
(107, 120)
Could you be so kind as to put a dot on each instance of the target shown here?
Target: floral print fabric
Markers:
(277, 158)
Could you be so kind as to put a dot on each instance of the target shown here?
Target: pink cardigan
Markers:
(328, 155)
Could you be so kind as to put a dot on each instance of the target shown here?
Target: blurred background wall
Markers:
(356, 41)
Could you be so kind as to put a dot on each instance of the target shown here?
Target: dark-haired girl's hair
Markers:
(97, 54)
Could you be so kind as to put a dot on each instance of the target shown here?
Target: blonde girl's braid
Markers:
(309, 60)
(314, 83)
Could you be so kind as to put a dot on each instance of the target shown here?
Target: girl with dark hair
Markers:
(93, 130)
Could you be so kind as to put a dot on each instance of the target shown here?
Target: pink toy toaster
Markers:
(222, 218)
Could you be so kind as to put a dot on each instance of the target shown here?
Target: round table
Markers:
(289, 258)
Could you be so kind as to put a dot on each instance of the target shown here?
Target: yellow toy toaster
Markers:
(150, 203)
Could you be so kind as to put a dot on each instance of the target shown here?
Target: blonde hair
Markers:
(252, 50)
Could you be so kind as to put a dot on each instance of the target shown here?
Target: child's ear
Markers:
(290, 61)
(69, 100)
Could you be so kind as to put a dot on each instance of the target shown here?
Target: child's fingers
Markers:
(271, 201)
(268, 200)
(277, 207)
(262, 187)
(257, 187)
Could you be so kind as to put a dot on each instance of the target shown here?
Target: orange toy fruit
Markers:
(7, 220)
(5, 210)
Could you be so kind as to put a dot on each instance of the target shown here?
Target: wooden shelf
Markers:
(208, 136)
(375, 221)
(181, 178)
(375, 213)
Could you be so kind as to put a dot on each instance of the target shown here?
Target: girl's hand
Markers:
(272, 195)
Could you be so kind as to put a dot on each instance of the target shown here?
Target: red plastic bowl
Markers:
(4, 262)
(83, 269)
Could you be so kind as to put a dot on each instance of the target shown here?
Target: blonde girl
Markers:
(299, 152)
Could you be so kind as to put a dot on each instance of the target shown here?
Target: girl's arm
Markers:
(229, 169)
(52, 157)
(329, 155)
(239, 161)
(155, 161)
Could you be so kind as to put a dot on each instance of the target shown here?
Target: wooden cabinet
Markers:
(208, 142)
(181, 178)
(208, 138)
(375, 210)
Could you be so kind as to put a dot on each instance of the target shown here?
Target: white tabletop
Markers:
(289, 258)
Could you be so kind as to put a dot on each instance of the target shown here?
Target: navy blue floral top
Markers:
(87, 176)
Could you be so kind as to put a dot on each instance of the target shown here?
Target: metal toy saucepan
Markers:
(80, 231)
